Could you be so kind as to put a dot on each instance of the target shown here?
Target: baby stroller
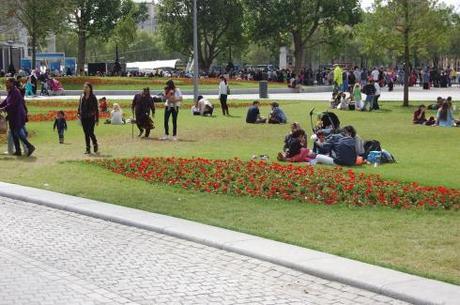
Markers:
(45, 88)
(327, 123)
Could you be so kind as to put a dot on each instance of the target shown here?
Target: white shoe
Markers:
(164, 138)
(174, 138)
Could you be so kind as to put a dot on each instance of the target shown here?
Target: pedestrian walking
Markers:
(60, 124)
(15, 107)
(88, 113)
(173, 97)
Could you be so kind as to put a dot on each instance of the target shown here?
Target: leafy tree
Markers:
(219, 26)
(299, 21)
(403, 26)
(96, 18)
(38, 17)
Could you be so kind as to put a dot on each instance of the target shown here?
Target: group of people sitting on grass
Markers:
(342, 148)
(353, 100)
(276, 115)
(444, 114)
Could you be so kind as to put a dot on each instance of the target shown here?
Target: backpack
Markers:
(371, 145)
(387, 157)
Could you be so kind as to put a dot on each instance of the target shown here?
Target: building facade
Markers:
(149, 25)
(13, 46)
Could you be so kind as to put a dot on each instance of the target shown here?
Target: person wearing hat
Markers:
(277, 115)
(173, 97)
(142, 106)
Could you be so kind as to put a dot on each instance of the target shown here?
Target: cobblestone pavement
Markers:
(49, 256)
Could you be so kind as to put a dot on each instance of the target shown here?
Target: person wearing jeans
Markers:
(173, 98)
(369, 90)
(15, 107)
(88, 112)
(223, 94)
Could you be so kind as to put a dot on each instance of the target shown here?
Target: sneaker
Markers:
(30, 151)
(164, 138)
(174, 138)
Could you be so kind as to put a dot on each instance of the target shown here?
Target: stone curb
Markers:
(391, 283)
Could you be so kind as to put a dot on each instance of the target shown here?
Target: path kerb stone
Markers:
(391, 283)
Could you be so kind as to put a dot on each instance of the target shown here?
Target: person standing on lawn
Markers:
(142, 106)
(88, 113)
(223, 94)
(61, 125)
(173, 98)
(15, 107)
(369, 91)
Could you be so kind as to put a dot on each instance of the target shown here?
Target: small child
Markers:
(61, 125)
(103, 105)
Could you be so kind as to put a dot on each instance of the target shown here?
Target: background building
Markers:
(13, 45)
(149, 25)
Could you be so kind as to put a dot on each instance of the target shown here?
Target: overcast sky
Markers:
(456, 3)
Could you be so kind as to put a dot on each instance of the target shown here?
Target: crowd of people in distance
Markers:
(444, 114)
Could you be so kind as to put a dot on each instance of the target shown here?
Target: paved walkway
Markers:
(416, 95)
(50, 256)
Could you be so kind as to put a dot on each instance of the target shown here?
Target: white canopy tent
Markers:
(149, 66)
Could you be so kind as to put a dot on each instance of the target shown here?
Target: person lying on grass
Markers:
(338, 149)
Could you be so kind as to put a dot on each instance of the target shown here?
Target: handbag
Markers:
(3, 125)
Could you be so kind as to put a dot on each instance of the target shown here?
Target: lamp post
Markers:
(195, 52)
(11, 68)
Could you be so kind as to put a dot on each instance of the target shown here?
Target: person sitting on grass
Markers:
(61, 125)
(202, 107)
(297, 150)
(277, 115)
(289, 138)
(253, 115)
(116, 116)
(445, 117)
(338, 149)
(438, 104)
(103, 106)
(419, 115)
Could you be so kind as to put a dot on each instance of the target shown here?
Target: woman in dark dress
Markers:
(88, 112)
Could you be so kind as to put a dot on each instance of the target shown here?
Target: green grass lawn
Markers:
(416, 241)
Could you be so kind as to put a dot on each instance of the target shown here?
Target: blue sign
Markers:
(70, 62)
(26, 64)
(54, 66)
(50, 55)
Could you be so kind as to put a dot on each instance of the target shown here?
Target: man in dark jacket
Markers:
(369, 91)
(141, 106)
(14, 105)
(339, 149)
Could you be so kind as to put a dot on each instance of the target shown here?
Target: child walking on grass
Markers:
(61, 125)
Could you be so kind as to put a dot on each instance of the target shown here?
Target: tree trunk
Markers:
(299, 53)
(34, 50)
(406, 55)
(81, 52)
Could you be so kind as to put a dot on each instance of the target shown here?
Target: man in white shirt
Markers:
(375, 74)
(376, 96)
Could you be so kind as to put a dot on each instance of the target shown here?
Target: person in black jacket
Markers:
(142, 105)
(61, 125)
(339, 149)
(369, 91)
(88, 112)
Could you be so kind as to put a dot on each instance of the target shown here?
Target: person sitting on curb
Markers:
(253, 115)
(277, 115)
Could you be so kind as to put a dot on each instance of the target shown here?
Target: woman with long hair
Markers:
(223, 94)
(88, 113)
(173, 97)
(444, 117)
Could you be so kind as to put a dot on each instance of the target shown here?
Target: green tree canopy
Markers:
(219, 26)
(299, 21)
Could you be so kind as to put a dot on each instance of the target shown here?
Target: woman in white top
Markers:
(223, 93)
(173, 98)
(116, 116)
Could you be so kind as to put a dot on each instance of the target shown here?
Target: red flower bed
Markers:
(70, 115)
(284, 181)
